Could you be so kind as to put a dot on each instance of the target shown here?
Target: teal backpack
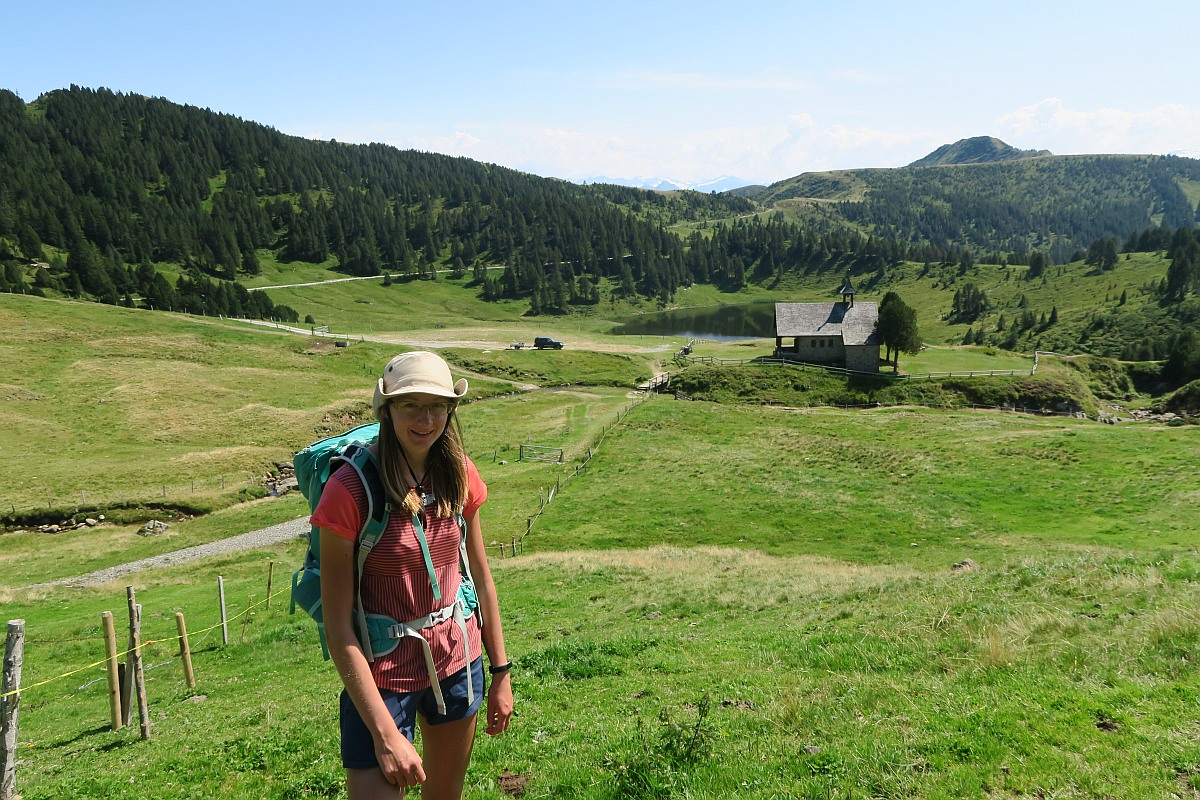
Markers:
(378, 634)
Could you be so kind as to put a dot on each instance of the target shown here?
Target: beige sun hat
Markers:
(417, 372)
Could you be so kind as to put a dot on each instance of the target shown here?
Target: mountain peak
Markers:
(976, 150)
(724, 183)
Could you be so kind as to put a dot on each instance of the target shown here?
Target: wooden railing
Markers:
(657, 383)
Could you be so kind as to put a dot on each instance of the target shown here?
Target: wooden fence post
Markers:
(114, 674)
(270, 580)
(224, 618)
(135, 661)
(10, 704)
(185, 650)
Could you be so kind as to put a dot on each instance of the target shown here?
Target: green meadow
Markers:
(720, 599)
(119, 410)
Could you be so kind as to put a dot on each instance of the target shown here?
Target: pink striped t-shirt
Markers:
(395, 581)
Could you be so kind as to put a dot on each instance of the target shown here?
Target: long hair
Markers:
(446, 464)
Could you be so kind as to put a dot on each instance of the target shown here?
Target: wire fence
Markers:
(684, 358)
(547, 494)
(836, 370)
(123, 671)
(195, 639)
(1041, 412)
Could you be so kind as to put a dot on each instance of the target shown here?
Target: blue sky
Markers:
(681, 90)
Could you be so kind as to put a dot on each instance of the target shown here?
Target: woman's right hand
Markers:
(399, 761)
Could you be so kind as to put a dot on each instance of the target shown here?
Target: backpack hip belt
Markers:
(386, 634)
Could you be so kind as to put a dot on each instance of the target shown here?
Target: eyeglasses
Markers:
(438, 408)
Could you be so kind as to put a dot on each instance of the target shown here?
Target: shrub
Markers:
(653, 763)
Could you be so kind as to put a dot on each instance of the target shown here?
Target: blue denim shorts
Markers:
(358, 748)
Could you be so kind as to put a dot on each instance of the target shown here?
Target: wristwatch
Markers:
(497, 669)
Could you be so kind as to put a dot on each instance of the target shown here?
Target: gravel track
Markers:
(244, 541)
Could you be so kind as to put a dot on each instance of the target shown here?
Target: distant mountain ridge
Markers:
(724, 183)
(987, 196)
(976, 150)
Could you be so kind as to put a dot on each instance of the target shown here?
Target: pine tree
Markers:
(1183, 359)
(1037, 266)
(250, 264)
(897, 328)
(628, 288)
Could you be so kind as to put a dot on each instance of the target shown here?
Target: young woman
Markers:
(433, 678)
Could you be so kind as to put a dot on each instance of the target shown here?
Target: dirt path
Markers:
(474, 338)
(245, 541)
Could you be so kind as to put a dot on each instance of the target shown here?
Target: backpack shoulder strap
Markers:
(419, 529)
(379, 510)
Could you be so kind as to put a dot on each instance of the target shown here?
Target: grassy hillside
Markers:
(975, 150)
(125, 408)
(1056, 204)
(106, 401)
(1080, 294)
(109, 408)
(1090, 312)
(368, 306)
(863, 486)
(728, 601)
(450, 309)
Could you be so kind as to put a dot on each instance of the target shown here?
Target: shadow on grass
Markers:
(83, 735)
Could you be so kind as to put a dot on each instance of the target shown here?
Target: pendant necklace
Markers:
(419, 486)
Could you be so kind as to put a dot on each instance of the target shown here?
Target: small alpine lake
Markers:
(721, 323)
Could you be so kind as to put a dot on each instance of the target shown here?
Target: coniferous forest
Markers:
(102, 189)
(1056, 205)
(120, 182)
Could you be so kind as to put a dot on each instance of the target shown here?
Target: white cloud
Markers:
(761, 153)
(809, 147)
(790, 142)
(1050, 124)
(801, 122)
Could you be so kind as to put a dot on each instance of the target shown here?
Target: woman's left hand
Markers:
(499, 704)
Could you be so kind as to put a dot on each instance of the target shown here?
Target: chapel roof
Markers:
(855, 323)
